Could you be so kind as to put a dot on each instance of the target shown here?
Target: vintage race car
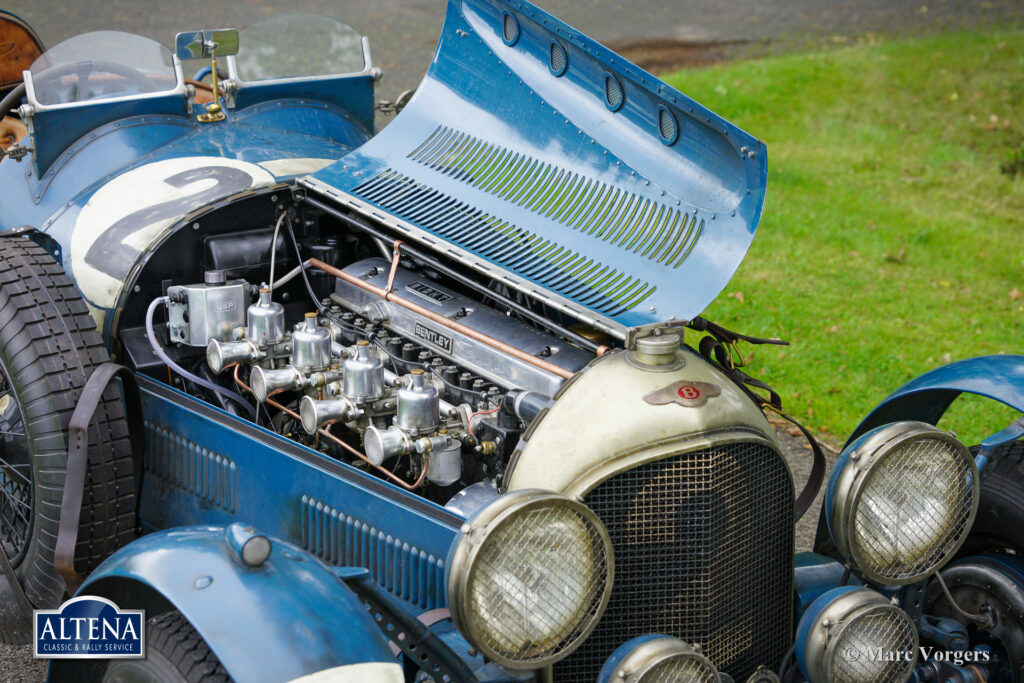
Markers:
(417, 404)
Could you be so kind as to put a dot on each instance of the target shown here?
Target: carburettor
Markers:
(313, 364)
(369, 394)
(264, 336)
(395, 415)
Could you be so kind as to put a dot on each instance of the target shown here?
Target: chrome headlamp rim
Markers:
(646, 653)
(852, 475)
(465, 551)
(838, 612)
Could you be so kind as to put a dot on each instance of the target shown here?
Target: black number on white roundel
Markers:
(110, 255)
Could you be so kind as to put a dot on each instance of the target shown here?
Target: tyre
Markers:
(175, 653)
(989, 571)
(999, 524)
(49, 347)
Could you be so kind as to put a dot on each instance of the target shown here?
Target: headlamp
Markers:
(852, 634)
(529, 577)
(901, 501)
(658, 658)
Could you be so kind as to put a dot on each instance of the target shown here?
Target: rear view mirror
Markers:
(206, 43)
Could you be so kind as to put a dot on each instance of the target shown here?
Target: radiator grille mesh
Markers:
(703, 551)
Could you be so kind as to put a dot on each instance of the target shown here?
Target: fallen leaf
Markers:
(737, 295)
(1015, 294)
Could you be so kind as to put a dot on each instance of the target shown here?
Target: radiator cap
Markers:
(658, 349)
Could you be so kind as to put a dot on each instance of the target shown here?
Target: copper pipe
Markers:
(354, 451)
(441, 320)
(398, 480)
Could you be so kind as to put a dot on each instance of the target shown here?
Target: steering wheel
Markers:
(46, 80)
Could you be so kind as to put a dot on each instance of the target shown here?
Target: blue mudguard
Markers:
(927, 397)
(289, 617)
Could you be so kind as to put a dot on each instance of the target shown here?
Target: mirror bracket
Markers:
(208, 43)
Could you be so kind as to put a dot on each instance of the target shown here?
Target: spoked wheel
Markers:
(49, 347)
(15, 475)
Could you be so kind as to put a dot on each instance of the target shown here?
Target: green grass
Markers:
(891, 241)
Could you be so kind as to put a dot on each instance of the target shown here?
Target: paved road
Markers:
(403, 35)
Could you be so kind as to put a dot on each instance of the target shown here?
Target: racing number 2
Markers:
(111, 253)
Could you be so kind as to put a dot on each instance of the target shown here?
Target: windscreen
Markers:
(101, 65)
(296, 46)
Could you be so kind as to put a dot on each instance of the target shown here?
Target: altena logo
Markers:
(88, 627)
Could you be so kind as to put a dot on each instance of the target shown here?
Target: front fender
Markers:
(927, 397)
(290, 617)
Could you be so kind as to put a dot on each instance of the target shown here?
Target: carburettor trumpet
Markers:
(264, 331)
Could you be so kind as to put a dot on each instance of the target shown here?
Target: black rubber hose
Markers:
(8, 103)
(298, 254)
(526, 405)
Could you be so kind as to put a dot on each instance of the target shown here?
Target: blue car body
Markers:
(537, 161)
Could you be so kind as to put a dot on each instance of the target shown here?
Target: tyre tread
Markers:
(50, 346)
(176, 639)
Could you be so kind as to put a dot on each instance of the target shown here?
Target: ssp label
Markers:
(88, 627)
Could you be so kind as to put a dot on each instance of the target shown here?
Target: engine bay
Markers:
(322, 333)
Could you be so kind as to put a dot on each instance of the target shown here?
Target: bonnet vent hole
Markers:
(667, 126)
(559, 60)
(510, 29)
(613, 95)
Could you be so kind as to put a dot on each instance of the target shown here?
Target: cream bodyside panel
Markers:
(601, 425)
